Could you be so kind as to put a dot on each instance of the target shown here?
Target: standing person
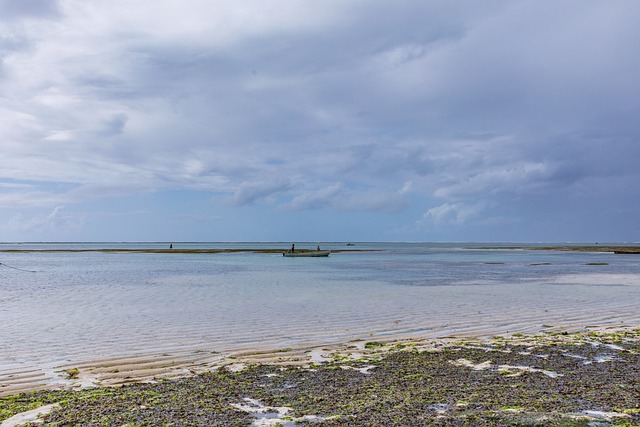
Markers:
(293, 247)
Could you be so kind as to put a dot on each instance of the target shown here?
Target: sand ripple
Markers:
(116, 325)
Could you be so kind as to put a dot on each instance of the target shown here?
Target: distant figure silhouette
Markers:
(171, 246)
(293, 247)
(318, 248)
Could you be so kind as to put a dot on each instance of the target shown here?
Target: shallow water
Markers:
(91, 305)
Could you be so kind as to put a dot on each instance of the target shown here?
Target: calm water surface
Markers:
(89, 305)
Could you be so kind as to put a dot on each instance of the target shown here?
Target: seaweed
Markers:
(506, 382)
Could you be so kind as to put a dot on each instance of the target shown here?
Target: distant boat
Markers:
(351, 244)
(306, 254)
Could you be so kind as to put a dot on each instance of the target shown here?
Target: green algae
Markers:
(374, 345)
(72, 373)
(403, 388)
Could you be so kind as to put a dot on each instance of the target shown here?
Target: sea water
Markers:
(70, 306)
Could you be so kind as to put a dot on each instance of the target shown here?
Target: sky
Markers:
(333, 120)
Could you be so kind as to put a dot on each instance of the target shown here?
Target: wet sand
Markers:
(176, 352)
(117, 371)
(167, 356)
(551, 379)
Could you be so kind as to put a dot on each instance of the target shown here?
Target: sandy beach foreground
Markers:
(555, 379)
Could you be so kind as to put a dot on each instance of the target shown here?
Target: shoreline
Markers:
(557, 378)
(119, 370)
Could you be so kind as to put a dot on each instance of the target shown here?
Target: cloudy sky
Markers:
(300, 120)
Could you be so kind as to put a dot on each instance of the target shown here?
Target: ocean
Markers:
(63, 307)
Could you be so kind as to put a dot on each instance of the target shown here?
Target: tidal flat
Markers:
(618, 249)
(589, 378)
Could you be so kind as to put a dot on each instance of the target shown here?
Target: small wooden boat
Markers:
(303, 253)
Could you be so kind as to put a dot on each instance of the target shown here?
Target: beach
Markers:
(553, 379)
(97, 316)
